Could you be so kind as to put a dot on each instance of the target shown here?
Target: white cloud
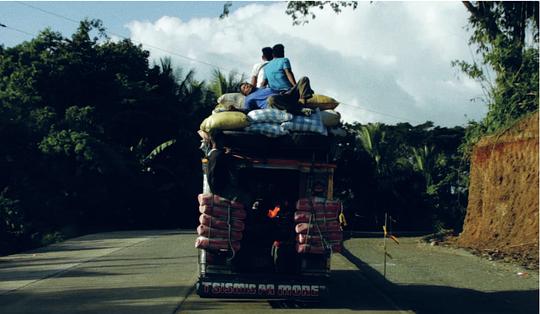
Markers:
(383, 60)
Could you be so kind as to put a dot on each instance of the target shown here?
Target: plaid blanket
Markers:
(312, 123)
(267, 129)
(269, 115)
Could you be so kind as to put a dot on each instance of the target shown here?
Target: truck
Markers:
(269, 220)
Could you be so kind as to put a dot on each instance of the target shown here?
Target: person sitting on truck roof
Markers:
(290, 101)
(257, 73)
(278, 73)
(256, 98)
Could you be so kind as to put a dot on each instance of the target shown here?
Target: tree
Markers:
(301, 11)
(506, 37)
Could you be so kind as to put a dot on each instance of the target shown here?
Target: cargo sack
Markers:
(329, 237)
(320, 216)
(208, 232)
(232, 99)
(216, 244)
(316, 249)
(269, 116)
(221, 223)
(267, 129)
(314, 229)
(330, 118)
(223, 108)
(312, 123)
(217, 211)
(229, 120)
(322, 102)
(216, 200)
(318, 204)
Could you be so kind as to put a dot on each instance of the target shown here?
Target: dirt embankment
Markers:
(502, 213)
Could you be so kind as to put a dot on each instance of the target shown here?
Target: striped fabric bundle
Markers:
(269, 116)
(221, 223)
(267, 129)
(312, 123)
(317, 225)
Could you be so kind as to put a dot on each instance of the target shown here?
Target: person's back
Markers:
(257, 73)
(278, 73)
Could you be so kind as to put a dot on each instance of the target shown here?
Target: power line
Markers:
(382, 113)
(124, 37)
(16, 29)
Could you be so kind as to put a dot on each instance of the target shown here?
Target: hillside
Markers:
(502, 213)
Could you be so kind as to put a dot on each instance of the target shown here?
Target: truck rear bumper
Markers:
(262, 286)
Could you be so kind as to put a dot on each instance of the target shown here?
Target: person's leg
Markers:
(304, 89)
(285, 102)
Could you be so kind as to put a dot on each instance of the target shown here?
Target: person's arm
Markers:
(290, 76)
(288, 71)
(254, 74)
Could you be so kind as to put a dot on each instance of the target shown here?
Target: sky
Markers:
(385, 62)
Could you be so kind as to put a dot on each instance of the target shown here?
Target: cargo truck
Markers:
(269, 220)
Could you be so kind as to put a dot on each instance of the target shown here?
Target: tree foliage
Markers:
(505, 35)
(78, 117)
(414, 173)
(302, 11)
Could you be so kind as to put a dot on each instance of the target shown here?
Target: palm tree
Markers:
(220, 84)
(371, 136)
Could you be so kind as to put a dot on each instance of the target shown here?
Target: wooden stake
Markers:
(385, 221)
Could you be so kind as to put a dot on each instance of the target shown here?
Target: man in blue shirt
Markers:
(278, 73)
(256, 98)
(292, 101)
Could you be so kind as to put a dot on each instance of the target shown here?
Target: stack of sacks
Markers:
(275, 122)
(222, 223)
(230, 101)
(317, 225)
(312, 123)
(329, 116)
(226, 120)
(268, 122)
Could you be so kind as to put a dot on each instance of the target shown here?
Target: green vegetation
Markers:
(414, 173)
(79, 119)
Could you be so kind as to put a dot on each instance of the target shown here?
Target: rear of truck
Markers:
(269, 222)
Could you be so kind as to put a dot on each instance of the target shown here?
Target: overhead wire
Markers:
(16, 29)
(195, 60)
(137, 41)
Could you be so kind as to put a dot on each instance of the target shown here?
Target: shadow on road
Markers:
(443, 299)
(119, 300)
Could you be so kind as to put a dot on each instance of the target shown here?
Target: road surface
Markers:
(155, 272)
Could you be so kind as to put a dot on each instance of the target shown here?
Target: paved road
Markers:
(121, 272)
(155, 272)
(349, 290)
(435, 279)
(148, 272)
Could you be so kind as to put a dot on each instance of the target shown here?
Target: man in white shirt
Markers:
(257, 74)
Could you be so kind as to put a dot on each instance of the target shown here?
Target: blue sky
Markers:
(386, 61)
(113, 14)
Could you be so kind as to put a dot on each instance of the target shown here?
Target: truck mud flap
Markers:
(249, 288)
